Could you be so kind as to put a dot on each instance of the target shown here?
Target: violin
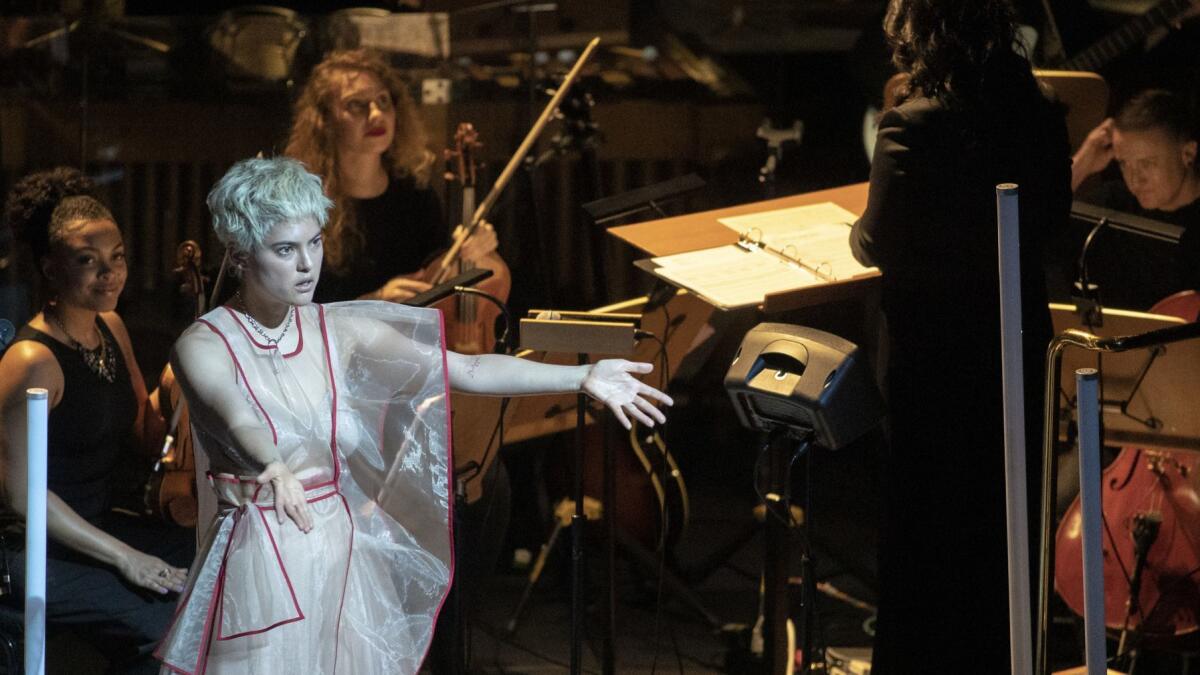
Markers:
(470, 321)
(170, 492)
(1151, 541)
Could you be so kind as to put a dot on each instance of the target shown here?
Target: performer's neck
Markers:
(266, 311)
(362, 175)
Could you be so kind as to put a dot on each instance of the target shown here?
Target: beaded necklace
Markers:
(100, 360)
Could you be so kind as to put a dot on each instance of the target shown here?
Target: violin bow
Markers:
(489, 201)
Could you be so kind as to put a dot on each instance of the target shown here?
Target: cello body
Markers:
(471, 321)
(1152, 495)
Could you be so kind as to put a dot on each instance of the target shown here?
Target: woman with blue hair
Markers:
(336, 419)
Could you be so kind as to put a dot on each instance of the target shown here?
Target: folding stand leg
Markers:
(562, 517)
(646, 560)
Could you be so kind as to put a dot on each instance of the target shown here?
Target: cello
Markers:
(1151, 538)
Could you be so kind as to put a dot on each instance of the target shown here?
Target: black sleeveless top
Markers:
(90, 428)
(401, 228)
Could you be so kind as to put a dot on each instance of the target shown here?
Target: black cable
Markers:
(1081, 269)
(810, 584)
(502, 341)
(663, 513)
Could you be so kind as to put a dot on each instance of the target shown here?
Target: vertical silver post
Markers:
(1019, 608)
(1088, 390)
(36, 422)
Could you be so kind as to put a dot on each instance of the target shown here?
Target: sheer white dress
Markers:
(357, 402)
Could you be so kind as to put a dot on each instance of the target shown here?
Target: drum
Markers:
(339, 30)
(257, 45)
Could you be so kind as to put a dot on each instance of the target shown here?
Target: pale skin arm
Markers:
(203, 368)
(610, 381)
(28, 364)
(1093, 154)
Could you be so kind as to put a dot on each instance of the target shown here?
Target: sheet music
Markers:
(733, 275)
(817, 235)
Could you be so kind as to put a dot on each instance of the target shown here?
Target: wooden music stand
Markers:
(1085, 96)
(1147, 395)
(695, 231)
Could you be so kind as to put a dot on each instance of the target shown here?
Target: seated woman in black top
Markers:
(108, 576)
(1152, 140)
(356, 127)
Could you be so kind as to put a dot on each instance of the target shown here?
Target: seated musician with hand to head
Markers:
(1153, 141)
(334, 417)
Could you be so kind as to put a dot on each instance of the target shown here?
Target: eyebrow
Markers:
(365, 93)
(85, 248)
(293, 243)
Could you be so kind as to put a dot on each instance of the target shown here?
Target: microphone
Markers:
(444, 290)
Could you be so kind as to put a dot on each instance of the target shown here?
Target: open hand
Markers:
(289, 495)
(481, 242)
(151, 573)
(611, 382)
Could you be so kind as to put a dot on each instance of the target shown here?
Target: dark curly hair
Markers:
(945, 46)
(27, 214)
(32, 201)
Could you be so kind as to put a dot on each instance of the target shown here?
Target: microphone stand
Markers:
(775, 139)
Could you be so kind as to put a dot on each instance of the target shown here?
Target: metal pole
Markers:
(1087, 385)
(578, 521)
(37, 412)
(1019, 625)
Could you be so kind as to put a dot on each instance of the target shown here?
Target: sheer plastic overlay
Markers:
(359, 411)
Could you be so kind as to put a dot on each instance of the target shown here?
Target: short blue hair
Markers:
(257, 194)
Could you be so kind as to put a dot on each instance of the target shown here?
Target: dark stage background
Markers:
(156, 100)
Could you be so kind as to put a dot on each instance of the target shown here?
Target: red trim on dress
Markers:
(260, 345)
(242, 373)
(449, 477)
(291, 590)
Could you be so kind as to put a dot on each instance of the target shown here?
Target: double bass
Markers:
(1151, 538)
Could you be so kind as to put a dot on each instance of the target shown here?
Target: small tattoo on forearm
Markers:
(474, 366)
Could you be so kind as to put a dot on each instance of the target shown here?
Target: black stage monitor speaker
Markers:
(803, 379)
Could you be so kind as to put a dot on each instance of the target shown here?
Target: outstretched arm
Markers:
(205, 372)
(610, 381)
